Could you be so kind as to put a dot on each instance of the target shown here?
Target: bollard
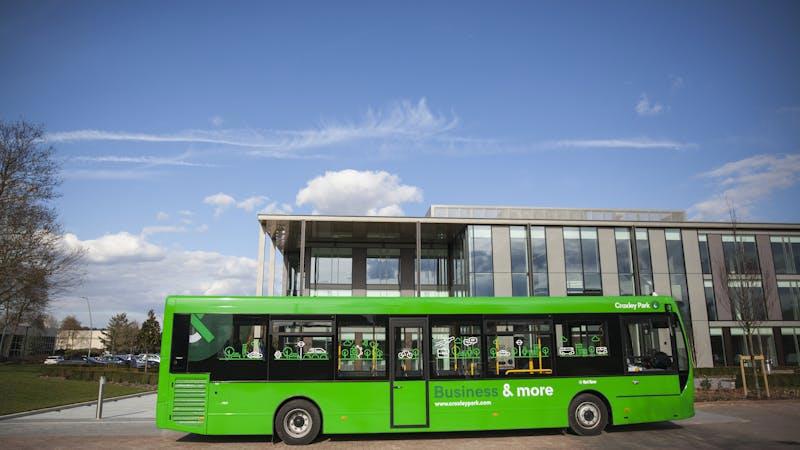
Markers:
(99, 412)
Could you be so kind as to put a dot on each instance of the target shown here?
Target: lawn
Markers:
(22, 389)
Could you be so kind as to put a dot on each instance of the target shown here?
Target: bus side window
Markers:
(361, 348)
(180, 343)
(648, 344)
(582, 339)
(520, 347)
(302, 349)
(455, 348)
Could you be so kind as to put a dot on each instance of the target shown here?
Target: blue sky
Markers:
(157, 108)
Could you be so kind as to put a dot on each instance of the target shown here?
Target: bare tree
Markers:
(34, 265)
(743, 279)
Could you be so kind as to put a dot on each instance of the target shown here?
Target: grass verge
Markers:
(22, 389)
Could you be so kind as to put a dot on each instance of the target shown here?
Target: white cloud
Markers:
(179, 160)
(201, 228)
(114, 248)
(352, 192)
(125, 273)
(161, 216)
(157, 229)
(217, 121)
(251, 203)
(745, 182)
(623, 143)
(275, 208)
(402, 121)
(676, 83)
(644, 108)
(221, 201)
(102, 174)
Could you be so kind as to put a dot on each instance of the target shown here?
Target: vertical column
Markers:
(529, 257)
(719, 273)
(302, 278)
(407, 273)
(658, 254)
(608, 260)
(359, 272)
(418, 268)
(555, 261)
(271, 269)
(769, 281)
(260, 274)
(697, 299)
(501, 260)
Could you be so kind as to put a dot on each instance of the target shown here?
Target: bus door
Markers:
(408, 379)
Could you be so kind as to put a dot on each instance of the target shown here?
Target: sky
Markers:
(176, 123)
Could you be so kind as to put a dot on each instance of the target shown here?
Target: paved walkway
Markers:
(130, 423)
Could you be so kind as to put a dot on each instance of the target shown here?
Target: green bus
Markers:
(297, 367)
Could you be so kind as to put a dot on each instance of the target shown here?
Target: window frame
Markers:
(457, 320)
(375, 320)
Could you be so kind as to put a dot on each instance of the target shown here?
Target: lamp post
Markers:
(91, 326)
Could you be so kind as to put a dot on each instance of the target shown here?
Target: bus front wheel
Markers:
(298, 422)
(588, 415)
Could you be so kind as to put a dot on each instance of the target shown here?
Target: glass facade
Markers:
(622, 240)
(539, 262)
(705, 254)
(582, 261)
(790, 340)
(789, 294)
(711, 303)
(433, 273)
(747, 299)
(645, 263)
(677, 273)
(331, 272)
(481, 267)
(741, 255)
(786, 254)
(383, 272)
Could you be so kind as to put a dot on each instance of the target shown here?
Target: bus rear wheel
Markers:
(298, 422)
(588, 415)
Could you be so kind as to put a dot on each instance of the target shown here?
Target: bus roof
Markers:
(421, 305)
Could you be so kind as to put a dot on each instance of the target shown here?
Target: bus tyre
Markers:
(588, 415)
(298, 422)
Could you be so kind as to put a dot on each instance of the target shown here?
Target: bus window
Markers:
(455, 348)
(519, 347)
(208, 336)
(580, 339)
(648, 344)
(683, 354)
(361, 347)
(408, 348)
(230, 347)
(302, 350)
(180, 343)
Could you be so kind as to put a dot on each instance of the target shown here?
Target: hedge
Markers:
(112, 374)
(775, 380)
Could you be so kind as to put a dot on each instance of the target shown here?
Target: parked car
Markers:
(112, 360)
(53, 360)
(78, 361)
(152, 361)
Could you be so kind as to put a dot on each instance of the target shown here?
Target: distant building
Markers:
(79, 339)
(29, 341)
(486, 251)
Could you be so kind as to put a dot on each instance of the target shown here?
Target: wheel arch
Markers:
(298, 397)
(601, 397)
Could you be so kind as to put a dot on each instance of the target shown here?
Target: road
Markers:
(129, 424)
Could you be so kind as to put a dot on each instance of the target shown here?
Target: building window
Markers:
(331, 271)
(433, 273)
(480, 261)
(789, 293)
(790, 338)
(582, 259)
(718, 347)
(519, 262)
(747, 299)
(711, 303)
(539, 262)
(383, 272)
(763, 343)
(677, 272)
(622, 238)
(741, 255)
(786, 254)
(644, 262)
(705, 255)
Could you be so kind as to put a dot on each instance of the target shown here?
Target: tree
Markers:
(117, 335)
(743, 278)
(132, 337)
(34, 265)
(70, 327)
(150, 334)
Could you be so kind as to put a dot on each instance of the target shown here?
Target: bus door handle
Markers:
(394, 386)
(635, 381)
